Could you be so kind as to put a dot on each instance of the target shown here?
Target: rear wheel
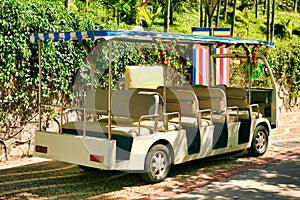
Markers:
(260, 141)
(157, 164)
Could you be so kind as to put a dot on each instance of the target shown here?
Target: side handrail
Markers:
(230, 109)
(251, 106)
(62, 108)
(199, 116)
(148, 116)
(166, 120)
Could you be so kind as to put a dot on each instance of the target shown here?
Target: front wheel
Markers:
(259, 142)
(157, 164)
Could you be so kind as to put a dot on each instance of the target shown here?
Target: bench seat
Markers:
(92, 128)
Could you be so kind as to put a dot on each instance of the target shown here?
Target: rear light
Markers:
(96, 158)
(41, 149)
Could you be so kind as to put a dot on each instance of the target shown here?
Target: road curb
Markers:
(226, 174)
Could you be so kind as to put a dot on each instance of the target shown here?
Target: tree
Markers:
(167, 16)
(146, 15)
(225, 10)
(233, 18)
(123, 10)
(218, 13)
(201, 13)
(273, 20)
(244, 17)
(265, 7)
(295, 5)
(268, 20)
(256, 9)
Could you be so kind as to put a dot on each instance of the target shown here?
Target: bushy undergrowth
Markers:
(19, 61)
(285, 62)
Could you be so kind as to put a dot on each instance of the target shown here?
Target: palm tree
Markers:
(244, 17)
(123, 8)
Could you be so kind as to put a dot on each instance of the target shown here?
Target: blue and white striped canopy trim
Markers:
(142, 35)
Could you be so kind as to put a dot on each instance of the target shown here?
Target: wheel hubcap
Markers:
(261, 141)
(158, 164)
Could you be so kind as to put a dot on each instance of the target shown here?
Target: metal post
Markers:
(109, 90)
(40, 85)
(250, 80)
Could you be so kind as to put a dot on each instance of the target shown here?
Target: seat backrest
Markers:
(134, 104)
(129, 104)
(237, 97)
(97, 100)
(180, 100)
(210, 98)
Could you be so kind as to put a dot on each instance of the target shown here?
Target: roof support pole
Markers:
(109, 90)
(40, 85)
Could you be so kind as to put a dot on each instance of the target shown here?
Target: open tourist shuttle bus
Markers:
(144, 101)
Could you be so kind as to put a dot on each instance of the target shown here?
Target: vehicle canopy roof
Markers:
(145, 36)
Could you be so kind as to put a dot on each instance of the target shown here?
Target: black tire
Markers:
(259, 142)
(157, 164)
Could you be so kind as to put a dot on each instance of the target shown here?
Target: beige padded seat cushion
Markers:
(124, 130)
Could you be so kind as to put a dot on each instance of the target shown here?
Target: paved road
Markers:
(279, 180)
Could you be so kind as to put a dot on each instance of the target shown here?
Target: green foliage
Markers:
(123, 11)
(285, 62)
(146, 16)
(17, 78)
(284, 30)
(244, 17)
(286, 5)
(19, 59)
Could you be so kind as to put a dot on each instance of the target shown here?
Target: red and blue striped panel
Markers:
(201, 69)
(221, 67)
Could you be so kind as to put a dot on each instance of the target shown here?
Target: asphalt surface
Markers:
(275, 180)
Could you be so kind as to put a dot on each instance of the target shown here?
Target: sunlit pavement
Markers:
(277, 180)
